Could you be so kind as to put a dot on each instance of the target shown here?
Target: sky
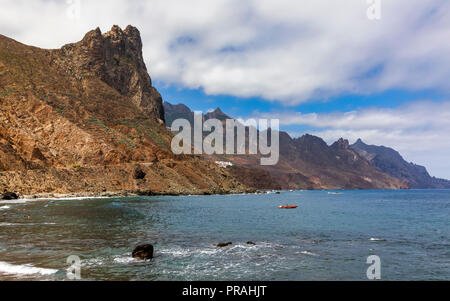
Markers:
(372, 69)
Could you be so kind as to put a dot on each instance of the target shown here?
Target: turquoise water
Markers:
(329, 236)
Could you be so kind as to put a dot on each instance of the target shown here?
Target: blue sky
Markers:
(198, 100)
(322, 67)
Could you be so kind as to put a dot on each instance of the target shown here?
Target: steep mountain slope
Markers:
(85, 118)
(391, 162)
(306, 163)
(174, 112)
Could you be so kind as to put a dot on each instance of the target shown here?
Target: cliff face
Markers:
(391, 162)
(85, 117)
(116, 58)
(305, 163)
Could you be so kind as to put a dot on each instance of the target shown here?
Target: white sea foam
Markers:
(5, 207)
(125, 259)
(26, 269)
(239, 248)
(24, 201)
(377, 239)
(309, 253)
(21, 201)
(24, 224)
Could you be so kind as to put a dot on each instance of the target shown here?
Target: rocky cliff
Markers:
(116, 58)
(392, 163)
(85, 118)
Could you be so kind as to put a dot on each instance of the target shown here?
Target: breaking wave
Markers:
(25, 269)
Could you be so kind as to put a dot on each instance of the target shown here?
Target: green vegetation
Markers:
(157, 138)
(6, 92)
(99, 123)
(76, 166)
(145, 128)
(71, 95)
(42, 96)
(126, 141)
(134, 124)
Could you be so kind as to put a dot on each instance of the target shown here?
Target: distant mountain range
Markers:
(392, 163)
(309, 163)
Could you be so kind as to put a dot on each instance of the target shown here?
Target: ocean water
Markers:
(329, 237)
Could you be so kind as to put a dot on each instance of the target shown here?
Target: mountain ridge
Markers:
(308, 162)
(391, 162)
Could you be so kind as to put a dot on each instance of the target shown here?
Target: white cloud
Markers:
(281, 50)
(420, 131)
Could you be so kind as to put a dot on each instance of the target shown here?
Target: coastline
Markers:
(112, 194)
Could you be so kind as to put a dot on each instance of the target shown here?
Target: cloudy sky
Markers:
(322, 67)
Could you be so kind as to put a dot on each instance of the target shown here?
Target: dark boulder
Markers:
(224, 244)
(139, 174)
(250, 243)
(143, 252)
(9, 196)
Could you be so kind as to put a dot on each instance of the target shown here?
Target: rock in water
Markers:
(250, 243)
(10, 196)
(224, 244)
(143, 252)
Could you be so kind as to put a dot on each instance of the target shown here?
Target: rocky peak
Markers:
(178, 108)
(217, 114)
(359, 142)
(310, 140)
(341, 144)
(116, 58)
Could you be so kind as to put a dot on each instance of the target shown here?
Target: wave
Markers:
(126, 259)
(25, 269)
(24, 201)
(237, 248)
(21, 201)
(24, 224)
(5, 207)
(308, 253)
(377, 239)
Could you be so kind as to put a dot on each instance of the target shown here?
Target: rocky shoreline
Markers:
(111, 194)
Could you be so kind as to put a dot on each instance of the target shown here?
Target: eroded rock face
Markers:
(116, 58)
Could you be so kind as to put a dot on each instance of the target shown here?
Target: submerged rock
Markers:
(143, 252)
(9, 196)
(224, 244)
(250, 243)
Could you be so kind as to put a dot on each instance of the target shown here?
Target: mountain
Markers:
(392, 163)
(86, 119)
(252, 177)
(174, 112)
(305, 163)
(217, 114)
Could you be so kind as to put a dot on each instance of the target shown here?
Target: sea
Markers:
(332, 235)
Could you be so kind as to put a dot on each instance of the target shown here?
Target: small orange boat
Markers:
(288, 207)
